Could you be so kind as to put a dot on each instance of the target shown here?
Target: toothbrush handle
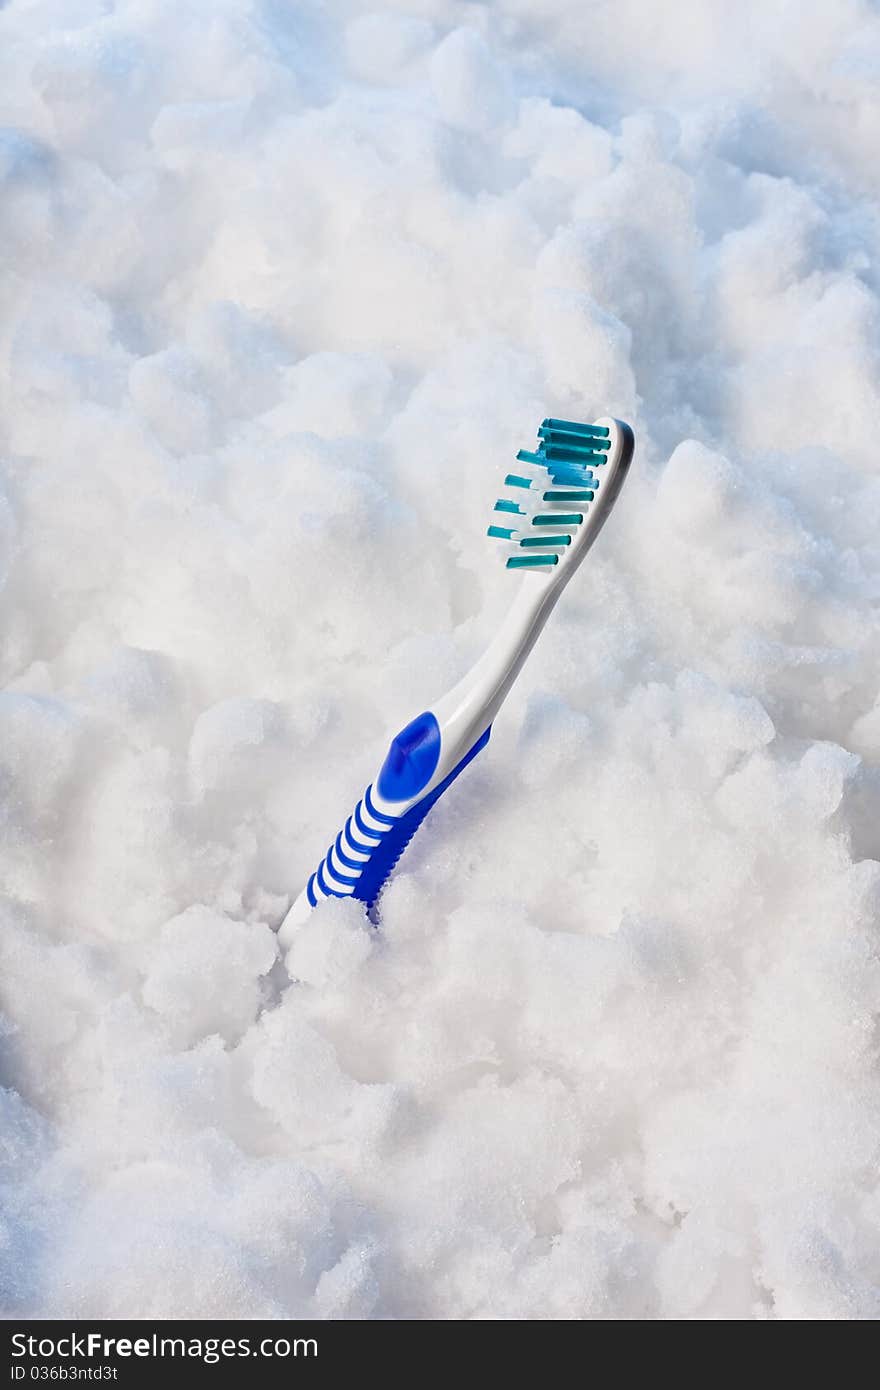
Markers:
(366, 850)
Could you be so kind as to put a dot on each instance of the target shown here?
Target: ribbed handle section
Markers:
(344, 872)
(368, 846)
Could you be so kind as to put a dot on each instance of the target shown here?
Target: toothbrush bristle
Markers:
(561, 470)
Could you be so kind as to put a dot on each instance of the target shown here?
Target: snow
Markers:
(283, 288)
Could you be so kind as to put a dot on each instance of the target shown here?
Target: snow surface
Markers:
(284, 286)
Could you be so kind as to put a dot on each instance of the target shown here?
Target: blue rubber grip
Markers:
(367, 877)
(412, 759)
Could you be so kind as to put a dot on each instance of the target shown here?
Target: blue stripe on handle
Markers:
(310, 892)
(353, 839)
(365, 829)
(337, 873)
(377, 815)
(343, 857)
(325, 886)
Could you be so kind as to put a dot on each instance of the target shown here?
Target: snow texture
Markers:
(284, 286)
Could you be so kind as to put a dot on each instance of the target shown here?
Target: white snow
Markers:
(284, 286)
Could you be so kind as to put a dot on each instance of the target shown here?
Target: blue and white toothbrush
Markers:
(553, 510)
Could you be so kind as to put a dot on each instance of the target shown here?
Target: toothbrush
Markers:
(553, 509)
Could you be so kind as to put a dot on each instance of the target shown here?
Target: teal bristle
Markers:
(514, 480)
(556, 455)
(579, 495)
(560, 439)
(521, 562)
(572, 476)
(558, 519)
(502, 505)
(545, 540)
(599, 431)
(503, 533)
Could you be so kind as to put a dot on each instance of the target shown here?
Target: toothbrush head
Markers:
(555, 504)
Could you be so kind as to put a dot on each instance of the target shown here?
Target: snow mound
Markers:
(284, 287)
